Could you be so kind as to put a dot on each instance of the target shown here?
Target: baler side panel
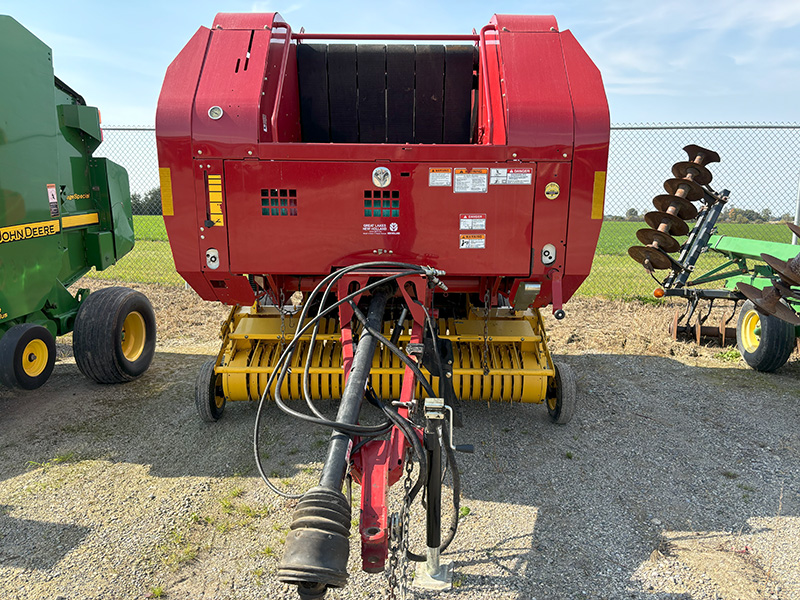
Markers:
(274, 207)
(490, 94)
(174, 126)
(550, 214)
(590, 160)
(537, 94)
(28, 133)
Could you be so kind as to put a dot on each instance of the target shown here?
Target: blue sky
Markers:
(662, 61)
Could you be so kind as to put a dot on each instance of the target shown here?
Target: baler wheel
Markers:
(208, 396)
(562, 394)
(765, 342)
(27, 356)
(114, 339)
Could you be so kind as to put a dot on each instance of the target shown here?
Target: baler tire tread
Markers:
(12, 346)
(776, 343)
(205, 393)
(565, 389)
(98, 336)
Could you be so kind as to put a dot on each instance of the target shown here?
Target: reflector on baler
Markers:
(444, 187)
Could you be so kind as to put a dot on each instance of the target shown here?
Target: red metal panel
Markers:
(330, 203)
(550, 215)
(245, 20)
(538, 95)
(592, 125)
(174, 126)
(232, 79)
(525, 23)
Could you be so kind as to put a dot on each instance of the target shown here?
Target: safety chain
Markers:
(398, 541)
(485, 356)
(282, 300)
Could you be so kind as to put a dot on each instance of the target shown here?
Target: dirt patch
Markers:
(677, 479)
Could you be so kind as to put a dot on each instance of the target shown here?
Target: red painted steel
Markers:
(540, 107)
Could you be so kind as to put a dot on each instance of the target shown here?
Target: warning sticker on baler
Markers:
(52, 197)
(472, 240)
(471, 181)
(440, 177)
(476, 221)
(519, 176)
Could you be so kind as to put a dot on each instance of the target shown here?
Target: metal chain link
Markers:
(485, 355)
(398, 541)
(281, 301)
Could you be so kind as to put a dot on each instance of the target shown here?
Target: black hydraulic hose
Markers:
(396, 351)
(289, 351)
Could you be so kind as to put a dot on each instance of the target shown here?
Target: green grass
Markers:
(149, 228)
(614, 274)
(148, 262)
(617, 236)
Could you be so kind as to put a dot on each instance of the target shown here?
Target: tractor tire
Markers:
(27, 356)
(765, 342)
(208, 397)
(114, 339)
(562, 395)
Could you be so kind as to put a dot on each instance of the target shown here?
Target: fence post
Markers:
(797, 213)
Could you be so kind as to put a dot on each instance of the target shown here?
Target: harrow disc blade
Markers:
(700, 155)
(795, 229)
(647, 255)
(789, 271)
(676, 226)
(692, 190)
(768, 302)
(685, 209)
(698, 172)
(666, 242)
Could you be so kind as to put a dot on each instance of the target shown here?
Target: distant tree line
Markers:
(147, 204)
(729, 215)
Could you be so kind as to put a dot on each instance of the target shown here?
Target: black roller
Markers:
(685, 209)
(676, 226)
(666, 242)
(693, 190)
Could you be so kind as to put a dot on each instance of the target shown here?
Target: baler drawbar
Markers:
(385, 220)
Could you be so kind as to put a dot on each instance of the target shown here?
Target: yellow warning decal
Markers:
(28, 231)
(79, 220)
(598, 194)
(215, 200)
(165, 178)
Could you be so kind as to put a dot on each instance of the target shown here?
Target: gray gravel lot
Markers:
(678, 479)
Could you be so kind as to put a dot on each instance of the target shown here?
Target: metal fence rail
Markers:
(760, 166)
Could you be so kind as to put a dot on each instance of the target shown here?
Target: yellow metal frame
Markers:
(518, 360)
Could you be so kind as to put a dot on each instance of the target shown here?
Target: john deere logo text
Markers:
(31, 230)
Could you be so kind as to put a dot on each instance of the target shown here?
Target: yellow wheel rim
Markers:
(751, 331)
(34, 358)
(134, 334)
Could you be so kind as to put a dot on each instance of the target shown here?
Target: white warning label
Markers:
(52, 197)
(472, 240)
(518, 176)
(440, 177)
(473, 222)
(471, 181)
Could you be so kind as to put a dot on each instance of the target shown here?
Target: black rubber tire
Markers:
(562, 395)
(18, 370)
(99, 335)
(772, 348)
(207, 389)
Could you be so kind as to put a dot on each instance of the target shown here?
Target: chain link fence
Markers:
(760, 165)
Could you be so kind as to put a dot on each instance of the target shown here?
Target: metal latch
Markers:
(434, 408)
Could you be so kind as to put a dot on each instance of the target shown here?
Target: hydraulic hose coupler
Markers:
(317, 549)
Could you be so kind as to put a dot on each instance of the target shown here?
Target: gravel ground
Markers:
(677, 479)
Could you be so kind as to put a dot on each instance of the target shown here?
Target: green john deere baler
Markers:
(62, 212)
